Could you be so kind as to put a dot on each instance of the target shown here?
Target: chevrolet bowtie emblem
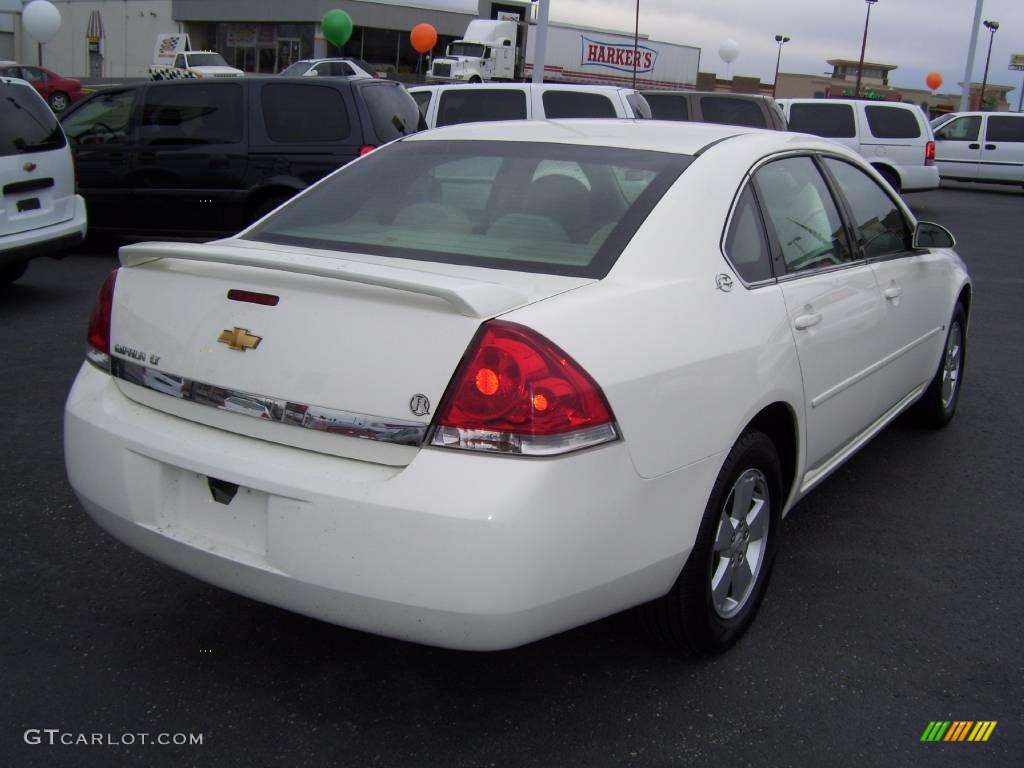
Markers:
(29, 167)
(239, 339)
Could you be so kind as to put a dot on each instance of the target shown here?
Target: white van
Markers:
(482, 102)
(982, 146)
(40, 214)
(895, 138)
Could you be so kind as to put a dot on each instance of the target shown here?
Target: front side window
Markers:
(34, 75)
(800, 209)
(422, 99)
(893, 122)
(297, 69)
(524, 206)
(478, 105)
(103, 119)
(179, 61)
(832, 121)
(746, 244)
(732, 111)
(1008, 129)
(193, 113)
(562, 104)
(668, 106)
(880, 224)
(26, 123)
(960, 129)
(324, 116)
(641, 109)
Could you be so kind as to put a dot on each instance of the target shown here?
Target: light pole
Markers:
(863, 45)
(991, 26)
(781, 40)
(636, 40)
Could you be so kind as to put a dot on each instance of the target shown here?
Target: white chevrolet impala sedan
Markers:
(494, 381)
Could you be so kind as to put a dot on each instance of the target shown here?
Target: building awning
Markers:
(95, 26)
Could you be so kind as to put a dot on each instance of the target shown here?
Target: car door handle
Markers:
(990, 146)
(974, 146)
(893, 292)
(803, 322)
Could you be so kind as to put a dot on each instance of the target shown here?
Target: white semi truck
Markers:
(488, 51)
(174, 59)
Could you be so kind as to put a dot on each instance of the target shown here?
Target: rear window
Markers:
(731, 111)
(833, 121)
(26, 123)
(893, 123)
(1009, 129)
(193, 113)
(668, 106)
(476, 105)
(533, 207)
(392, 110)
(559, 104)
(324, 116)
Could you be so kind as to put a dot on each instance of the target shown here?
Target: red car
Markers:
(59, 92)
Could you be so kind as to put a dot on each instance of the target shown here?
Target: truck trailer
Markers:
(488, 51)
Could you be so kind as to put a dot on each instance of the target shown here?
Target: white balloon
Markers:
(728, 51)
(41, 20)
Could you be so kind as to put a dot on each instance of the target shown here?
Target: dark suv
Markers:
(195, 158)
(748, 110)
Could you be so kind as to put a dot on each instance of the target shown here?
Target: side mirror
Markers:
(930, 235)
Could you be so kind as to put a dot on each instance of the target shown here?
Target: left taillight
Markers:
(97, 350)
(929, 153)
(366, 149)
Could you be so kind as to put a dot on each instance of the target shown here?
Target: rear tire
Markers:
(264, 207)
(937, 405)
(720, 589)
(11, 272)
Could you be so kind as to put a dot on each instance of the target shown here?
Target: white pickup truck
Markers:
(174, 59)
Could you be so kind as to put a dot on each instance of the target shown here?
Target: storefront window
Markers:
(264, 48)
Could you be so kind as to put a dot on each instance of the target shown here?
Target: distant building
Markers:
(875, 85)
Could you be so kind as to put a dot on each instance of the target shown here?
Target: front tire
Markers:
(11, 272)
(937, 405)
(59, 101)
(720, 589)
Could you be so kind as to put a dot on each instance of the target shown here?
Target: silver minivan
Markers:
(982, 146)
(894, 137)
(40, 212)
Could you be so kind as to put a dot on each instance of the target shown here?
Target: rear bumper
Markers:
(917, 178)
(455, 550)
(51, 240)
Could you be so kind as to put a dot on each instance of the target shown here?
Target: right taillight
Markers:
(517, 393)
(929, 153)
(98, 350)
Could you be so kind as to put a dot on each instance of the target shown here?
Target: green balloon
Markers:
(337, 27)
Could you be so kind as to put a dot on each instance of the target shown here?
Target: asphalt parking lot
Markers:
(896, 601)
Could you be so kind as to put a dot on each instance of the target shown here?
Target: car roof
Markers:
(654, 135)
(521, 86)
(997, 114)
(672, 91)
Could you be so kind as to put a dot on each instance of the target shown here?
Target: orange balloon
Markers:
(933, 80)
(423, 38)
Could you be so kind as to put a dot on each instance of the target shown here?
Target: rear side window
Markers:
(1009, 129)
(893, 123)
(668, 106)
(730, 111)
(103, 119)
(334, 69)
(26, 123)
(476, 105)
(746, 243)
(960, 129)
(832, 121)
(559, 104)
(324, 116)
(392, 111)
(207, 113)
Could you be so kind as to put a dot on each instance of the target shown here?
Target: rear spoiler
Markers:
(472, 298)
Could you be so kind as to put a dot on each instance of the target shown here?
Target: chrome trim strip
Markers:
(830, 393)
(335, 421)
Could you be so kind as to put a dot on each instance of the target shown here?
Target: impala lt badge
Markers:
(239, 339)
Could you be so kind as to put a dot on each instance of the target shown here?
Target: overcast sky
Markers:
(919, 36)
